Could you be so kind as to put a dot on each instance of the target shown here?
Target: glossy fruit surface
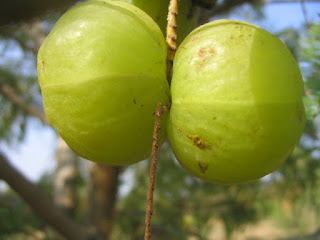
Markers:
(237, 110)
(102, 71)
(158, 10)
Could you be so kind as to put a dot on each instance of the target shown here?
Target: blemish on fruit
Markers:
(211, 50)
(255, 129)
(42, 65)
(134, 101)
(201, 52)
(195, 39)
(203, 167)
(198, 142)
(141, 105)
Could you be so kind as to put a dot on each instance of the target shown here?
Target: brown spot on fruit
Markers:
(195, 39)
(211, 50)
(198, 142)
(203, 167)
(255, 129)
(201, 52)
(134, 101)
(42, 65)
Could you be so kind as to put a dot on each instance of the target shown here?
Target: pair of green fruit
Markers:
(236, 92)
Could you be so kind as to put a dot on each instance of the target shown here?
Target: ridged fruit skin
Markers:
(158, 10)
(237, 110)
(101, 72)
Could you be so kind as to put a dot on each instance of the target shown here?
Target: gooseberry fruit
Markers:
(237, 110)
(101, 72)
(158, 10)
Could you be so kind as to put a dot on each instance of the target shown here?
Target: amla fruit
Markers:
(237, 110)
(101, 72)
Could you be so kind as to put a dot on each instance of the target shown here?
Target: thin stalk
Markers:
(171, 40)
(153, 166)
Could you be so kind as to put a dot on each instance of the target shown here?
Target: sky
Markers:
(35, 155)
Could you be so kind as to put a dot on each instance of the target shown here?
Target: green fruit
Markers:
(158, 10)
(237, 110)
(102, 71)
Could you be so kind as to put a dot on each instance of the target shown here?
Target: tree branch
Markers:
(15, 11)
(10, 93)
(102, 193)
(39, 202)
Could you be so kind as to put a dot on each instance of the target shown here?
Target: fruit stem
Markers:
(171, 38)
(153, 167)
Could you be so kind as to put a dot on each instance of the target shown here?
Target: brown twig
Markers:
(153, 167)
(171, 38)
(172, 47)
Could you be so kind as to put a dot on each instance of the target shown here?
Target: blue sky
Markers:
(283, 15)
(35, 154)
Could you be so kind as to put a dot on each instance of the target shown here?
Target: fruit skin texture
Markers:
(101, 72)
(158, 10)
(237, 110)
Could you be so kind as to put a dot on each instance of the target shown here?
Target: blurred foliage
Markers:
(12, 119)
(310, 65)
(310, 56)
(17, 70)
(290, 36)
(15, 214)
(183, 205)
